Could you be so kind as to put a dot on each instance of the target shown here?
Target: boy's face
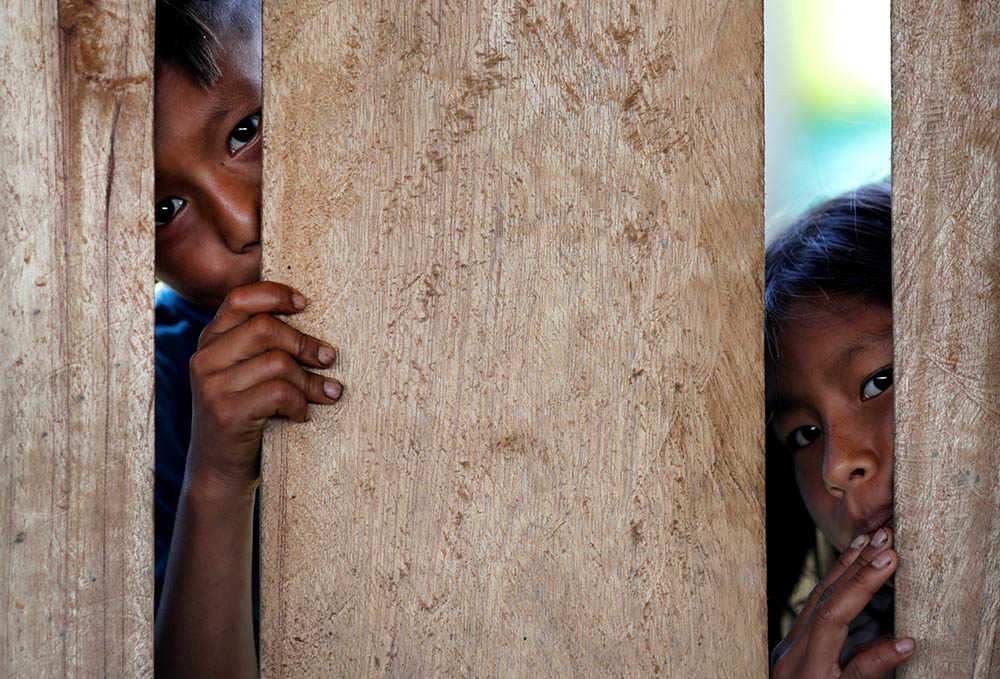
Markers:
(207, 147)
(833, 410)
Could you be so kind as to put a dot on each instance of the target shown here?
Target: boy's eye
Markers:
(803, 436)
(244, 132)
(166, 209)
(877, 383)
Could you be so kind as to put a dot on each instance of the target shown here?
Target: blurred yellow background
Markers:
(826, 100)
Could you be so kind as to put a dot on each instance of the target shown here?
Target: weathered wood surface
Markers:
(76, 279)
(534, 230)
(946, 202)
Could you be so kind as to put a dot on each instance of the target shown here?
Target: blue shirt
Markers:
(178, 325)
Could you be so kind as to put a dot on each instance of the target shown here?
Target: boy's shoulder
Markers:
(174, 312)
(178, 326)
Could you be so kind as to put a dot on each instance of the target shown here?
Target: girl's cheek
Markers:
(809, 476)
(885, 425)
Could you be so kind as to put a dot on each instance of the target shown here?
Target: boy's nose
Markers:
(236, 208)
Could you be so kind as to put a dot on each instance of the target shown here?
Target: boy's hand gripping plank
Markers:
(249, 367)
(813, 646)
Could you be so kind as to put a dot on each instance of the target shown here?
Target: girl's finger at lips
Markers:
(881, 540)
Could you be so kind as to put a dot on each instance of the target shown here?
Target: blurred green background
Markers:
(826, 101)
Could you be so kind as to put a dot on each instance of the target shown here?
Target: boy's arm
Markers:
(248, 368)
(204, 627)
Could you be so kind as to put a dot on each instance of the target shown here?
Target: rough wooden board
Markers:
(76, 279)
(946, 201)
(535, 232)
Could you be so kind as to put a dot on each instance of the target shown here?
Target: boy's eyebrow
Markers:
(223, 109)
(229, 99)
(218, 114)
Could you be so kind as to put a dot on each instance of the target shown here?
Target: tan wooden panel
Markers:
(534, 230)
(946, 202)
(76, 340)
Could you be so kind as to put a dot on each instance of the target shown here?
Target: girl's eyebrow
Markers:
(862, 341)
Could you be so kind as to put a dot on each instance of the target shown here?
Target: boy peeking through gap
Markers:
(225, 362)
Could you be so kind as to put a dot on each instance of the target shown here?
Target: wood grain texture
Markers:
(535, 232)
(76, 341)
(946, 202)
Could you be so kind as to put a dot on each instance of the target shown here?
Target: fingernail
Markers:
(332, 389)
(904, 645)
(882, 560)
(326, 355)
(298, 301)
(859, 541)
(880, 537)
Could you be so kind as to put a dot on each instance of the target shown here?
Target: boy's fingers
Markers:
(846, 599)
(249, 300)
(274, 397)
(879, 658)
(263, 332)
(272, 365)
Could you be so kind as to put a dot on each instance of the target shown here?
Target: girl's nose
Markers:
(851, 457)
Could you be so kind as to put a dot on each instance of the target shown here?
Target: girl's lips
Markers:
(881, 518)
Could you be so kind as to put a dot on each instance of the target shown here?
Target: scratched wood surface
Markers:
(76, 277)
(534, 231)
(946, 202)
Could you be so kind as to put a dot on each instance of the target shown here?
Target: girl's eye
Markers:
(803, 436)
(244, 132)
(166, 209)
(877, 383)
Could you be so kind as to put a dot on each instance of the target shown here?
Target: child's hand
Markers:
(816, 640)
(249, 368)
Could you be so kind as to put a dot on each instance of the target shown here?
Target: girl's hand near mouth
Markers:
(815, 643)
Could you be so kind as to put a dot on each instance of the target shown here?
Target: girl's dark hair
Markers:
(840, 247)
(192, 33)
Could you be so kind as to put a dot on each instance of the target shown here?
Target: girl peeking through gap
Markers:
(828, 346)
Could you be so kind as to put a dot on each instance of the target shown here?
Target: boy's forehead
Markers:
(178, 89)
(242, 59)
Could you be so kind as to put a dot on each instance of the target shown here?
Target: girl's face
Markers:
(832, 404)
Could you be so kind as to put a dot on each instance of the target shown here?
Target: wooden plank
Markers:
(76, 278)
(946, 203)
(534, 230)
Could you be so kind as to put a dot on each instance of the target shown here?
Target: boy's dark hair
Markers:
(193, 33)
(840, 247)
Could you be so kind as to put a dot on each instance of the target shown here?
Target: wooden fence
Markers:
(946, 260)
(534, 230)
(76, 340)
